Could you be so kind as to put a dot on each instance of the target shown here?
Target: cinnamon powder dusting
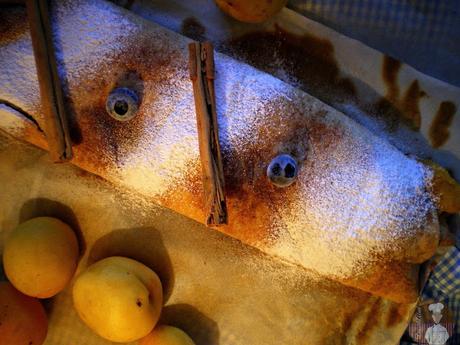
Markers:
(392, 106)
(397, 314)
(305, 61)
(390, 71)
(439, 129)
(13, 24)
(355, 194)
(192, 28)
(410, 104)
(372, 321)
(308, 62)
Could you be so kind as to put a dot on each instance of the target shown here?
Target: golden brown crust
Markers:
(445, 189)
(396, 281)
(102, 146)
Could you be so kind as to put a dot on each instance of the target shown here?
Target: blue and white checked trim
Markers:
(444, 286)
(445, 278)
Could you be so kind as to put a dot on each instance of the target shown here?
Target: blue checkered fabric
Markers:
(423, 33)
(445, 279)
(444, 286)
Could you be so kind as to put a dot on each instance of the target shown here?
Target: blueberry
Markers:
(122, 104)
(282, 170)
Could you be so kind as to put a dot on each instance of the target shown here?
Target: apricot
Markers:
(118, 298)
(251, 11)
(40, 256)
(166, 335)
(23, 319)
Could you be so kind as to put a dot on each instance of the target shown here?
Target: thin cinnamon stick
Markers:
(52, 99)
(201, 65)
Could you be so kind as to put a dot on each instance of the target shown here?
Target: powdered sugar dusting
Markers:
(18, 80)
(243, 97)
(83, 29)
(162, 159)
(356, 195)
(356, 199)
(344, 215)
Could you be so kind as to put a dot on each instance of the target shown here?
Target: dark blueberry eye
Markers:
(289, 170)
(122, 104)
(276, 169)
(282, 170)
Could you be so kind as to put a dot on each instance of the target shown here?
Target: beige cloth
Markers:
(219, 290)
(224, 292)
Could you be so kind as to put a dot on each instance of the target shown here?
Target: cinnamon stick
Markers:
(201, 65)
(51, 94)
